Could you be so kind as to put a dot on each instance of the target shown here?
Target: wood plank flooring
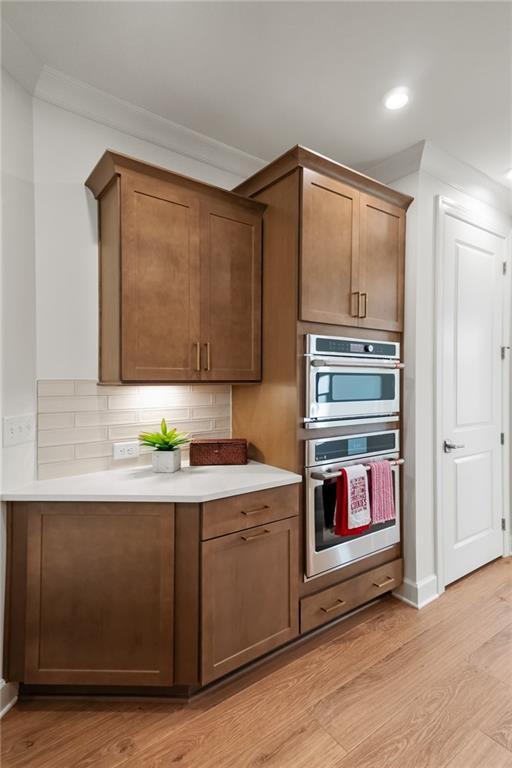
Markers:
(390, 687)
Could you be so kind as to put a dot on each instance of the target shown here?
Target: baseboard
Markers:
(8, 696)
(418, 593)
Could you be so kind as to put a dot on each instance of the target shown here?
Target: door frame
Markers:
(447, 206)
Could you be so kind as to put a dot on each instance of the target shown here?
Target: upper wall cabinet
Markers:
(381, 264)
(330, 250)
(180, 277)
(352, 256)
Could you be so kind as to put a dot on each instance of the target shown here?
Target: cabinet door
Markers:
(381, 264)
(230, 292)
(249, 588)
(160, 280)
(99, 605)
(329, 251)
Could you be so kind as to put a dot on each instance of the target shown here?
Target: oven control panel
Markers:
(337, 345)
(344, 447)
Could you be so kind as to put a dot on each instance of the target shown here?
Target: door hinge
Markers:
(504, 352)
(504, 268)
(503, 524)
(502, 438)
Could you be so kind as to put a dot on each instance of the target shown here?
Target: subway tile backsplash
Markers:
(79, 421)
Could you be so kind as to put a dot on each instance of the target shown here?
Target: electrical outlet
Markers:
(126, 450)
(19, 429)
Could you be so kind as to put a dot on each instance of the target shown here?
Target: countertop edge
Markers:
(145, 497)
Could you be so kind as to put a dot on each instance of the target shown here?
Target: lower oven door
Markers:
(345, 391)
(325, 551)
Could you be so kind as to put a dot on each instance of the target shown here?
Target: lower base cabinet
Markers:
(324, 606)
(153, 595)
(249, 595)
(99, 593)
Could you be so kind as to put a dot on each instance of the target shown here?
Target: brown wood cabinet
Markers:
(330, 250)
(180, 277)
(128, 594)
(328, 604)
(249, 589)
(352, 256)
(98, 594)
(381, 264)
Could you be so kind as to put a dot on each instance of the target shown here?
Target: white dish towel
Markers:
(358, 506)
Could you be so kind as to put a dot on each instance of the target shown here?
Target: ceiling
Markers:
(263, 76)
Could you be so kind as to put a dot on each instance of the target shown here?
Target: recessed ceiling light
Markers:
(508, 174)
(396, 98)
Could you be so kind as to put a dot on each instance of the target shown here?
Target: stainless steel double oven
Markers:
(349, 382)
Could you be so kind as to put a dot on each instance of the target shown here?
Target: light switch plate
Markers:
(19, 429)
(125, 450)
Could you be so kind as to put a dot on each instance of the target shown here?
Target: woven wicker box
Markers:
(218, 451)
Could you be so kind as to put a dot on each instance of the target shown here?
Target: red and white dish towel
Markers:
(381, 483)
(352, 501)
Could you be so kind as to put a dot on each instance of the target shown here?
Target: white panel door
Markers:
(471, 383)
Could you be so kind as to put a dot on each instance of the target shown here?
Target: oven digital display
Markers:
(358, 348)
(345, 447)
(357, 445)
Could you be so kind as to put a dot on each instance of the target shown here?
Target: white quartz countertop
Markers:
(190, 484)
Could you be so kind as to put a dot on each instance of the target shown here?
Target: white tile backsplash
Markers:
(78, 421)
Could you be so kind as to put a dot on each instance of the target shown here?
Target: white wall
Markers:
(469, 188)
(66, 149)
(17, 299)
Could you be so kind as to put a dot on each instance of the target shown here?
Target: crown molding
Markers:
(90, 102)
(19, 60)
(426, 158)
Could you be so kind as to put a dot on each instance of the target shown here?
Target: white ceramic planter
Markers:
(166, 461)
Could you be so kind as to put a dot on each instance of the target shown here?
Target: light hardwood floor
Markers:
(388, 688)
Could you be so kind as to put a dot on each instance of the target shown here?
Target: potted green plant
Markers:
(167, 455)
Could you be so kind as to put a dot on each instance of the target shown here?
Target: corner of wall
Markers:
(418, 594)
(8, 696)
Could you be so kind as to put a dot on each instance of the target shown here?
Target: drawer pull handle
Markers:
(255, 535)
(384, 583)
(207, 367)
(198, 355)
(334, 607)
(356, 294)
(255, 510)
(364, 298)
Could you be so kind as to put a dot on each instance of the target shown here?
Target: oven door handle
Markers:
(334, 475)
(349, 363)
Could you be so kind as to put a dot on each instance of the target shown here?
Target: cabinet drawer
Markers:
(237, 513)
(324, 606)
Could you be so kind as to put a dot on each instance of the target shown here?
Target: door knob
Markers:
(448, 446)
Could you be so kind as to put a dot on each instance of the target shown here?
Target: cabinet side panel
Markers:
(16, 582)
(110, 285)
(187, 594)
(266, 414)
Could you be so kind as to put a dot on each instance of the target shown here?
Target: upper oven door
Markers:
(348, 390)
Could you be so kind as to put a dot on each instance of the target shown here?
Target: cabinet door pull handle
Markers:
(207, 350)
(255, 510)
(255, 535)
(198, 355)
(354, 313)
(388, 580)
(364, 297)
(339, 602)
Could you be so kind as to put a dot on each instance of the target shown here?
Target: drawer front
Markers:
(249, 596)
(237, 513)
(324, 606)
